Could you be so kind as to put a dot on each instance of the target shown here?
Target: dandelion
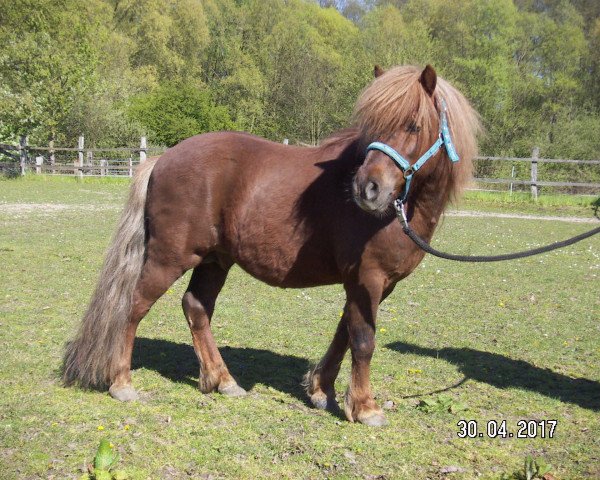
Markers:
(126, 427)
(100, 428)
(382, 330)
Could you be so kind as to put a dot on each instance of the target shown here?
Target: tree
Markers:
(47, 63)
(169, 36)
(64, 72)
(289, 68)
(391, 40)
(312, 73)
(175, 111)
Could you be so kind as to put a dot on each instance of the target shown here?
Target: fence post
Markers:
(23, 153)
(535, 156)
(103, 167)
(51, 154)
(512, 177)
(131, 165)
(286, 141)
(143, 147)
(79, 162)
(39, 161)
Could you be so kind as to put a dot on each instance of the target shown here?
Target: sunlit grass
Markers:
(546, 203)
(513, 341)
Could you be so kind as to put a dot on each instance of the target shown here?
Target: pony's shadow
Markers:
(504, 372)
(249, 366)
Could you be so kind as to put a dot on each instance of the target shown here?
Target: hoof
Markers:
(321, 401)
(374, 420)
(232, 390)
(123, 394)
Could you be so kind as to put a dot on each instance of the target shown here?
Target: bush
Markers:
(174, 112)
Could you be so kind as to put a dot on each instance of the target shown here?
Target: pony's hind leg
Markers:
(198, 306)
(154, 281)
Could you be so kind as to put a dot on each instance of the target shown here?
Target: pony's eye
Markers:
(412, 127)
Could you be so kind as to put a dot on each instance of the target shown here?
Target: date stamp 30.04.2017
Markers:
(501, 429)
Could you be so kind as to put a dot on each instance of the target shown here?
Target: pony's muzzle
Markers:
(371, 194)
(371, 190)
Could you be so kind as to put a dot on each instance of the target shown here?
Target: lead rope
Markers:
(423, 245)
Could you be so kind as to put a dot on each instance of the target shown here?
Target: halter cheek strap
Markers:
(409, 170)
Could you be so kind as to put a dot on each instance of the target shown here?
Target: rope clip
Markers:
(401, 212)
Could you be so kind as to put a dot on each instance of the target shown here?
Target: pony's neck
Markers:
(428, 201)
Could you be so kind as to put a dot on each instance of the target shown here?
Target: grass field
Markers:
(511, 341)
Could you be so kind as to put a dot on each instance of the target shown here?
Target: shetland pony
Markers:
(291, 217)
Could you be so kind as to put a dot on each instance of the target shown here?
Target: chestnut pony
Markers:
(291, 217)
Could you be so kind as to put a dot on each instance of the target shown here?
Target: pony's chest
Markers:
(392, 252)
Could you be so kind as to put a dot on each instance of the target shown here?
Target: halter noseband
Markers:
(409, 170)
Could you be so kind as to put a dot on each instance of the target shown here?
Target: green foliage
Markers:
(63, 73)
(533, 468)
(104, 462)
(309, 73)
(174, 112)
(105, 457)
(294, 68)
(536, 467)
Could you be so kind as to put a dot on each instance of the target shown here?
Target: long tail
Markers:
(90, 360)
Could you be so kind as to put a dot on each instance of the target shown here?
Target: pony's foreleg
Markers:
(320, 380)
(198, 306)
(154, 282)
(362, 302)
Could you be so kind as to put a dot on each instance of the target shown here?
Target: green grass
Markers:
(515, 340)
(93, 191)
(522, 202)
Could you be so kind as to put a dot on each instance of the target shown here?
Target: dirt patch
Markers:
(466, 213)
(50, 208)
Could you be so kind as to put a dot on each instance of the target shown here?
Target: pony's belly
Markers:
(283, 266)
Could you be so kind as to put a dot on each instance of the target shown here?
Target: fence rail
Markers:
(541, 160)
(490, 171)
(79, 161)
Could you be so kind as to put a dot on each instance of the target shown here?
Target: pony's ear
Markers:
(378, 71)
(428, 79)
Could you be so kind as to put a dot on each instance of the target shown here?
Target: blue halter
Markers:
(409, 170)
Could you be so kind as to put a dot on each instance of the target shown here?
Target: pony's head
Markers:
(402, 108)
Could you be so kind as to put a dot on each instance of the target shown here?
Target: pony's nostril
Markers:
(371, 190)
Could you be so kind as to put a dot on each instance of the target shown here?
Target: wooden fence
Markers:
(534, 181)
(491, 173)
(78, 161)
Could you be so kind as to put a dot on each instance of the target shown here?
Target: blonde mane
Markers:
(397, 98)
